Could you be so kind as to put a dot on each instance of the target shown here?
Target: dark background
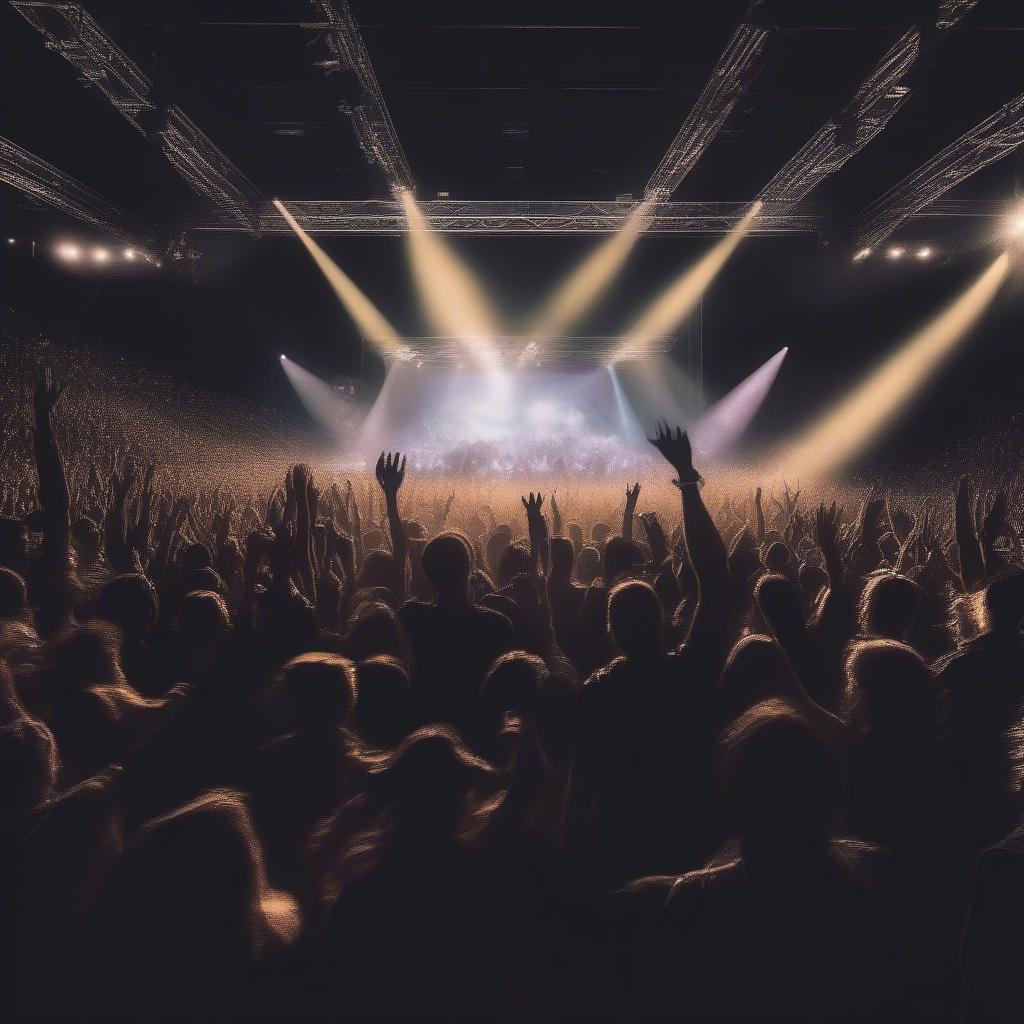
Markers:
(519, 101)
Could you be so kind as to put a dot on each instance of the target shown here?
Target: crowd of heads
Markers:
(357, 747)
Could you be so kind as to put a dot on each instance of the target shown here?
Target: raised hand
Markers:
(46, 394)
(390, 472)
(537, 527)
(827, 525)
(656, 539)
(677, 453)
(533, 505)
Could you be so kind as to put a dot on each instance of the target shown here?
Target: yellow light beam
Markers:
(665, 313)
(451, 298)
(367, 317)
(591, 277)
(842, 433)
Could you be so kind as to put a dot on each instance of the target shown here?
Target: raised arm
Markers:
(704, 545)
(632, 495)
(54, 496)
(972, 563)
(390, 475)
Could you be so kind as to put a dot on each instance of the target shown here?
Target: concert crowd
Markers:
(373, 749)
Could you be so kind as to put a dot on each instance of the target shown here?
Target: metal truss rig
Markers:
(35, 177)
(385, 217)
(73, 33)
(371, 122)
(519, 352)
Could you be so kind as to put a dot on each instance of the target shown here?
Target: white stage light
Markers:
(924, 253)
(895, 252)
(861, 254)
(69, 252)
(100, 255)
(129, 254)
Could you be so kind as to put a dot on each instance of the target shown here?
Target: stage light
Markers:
(861, 254)
(1017, 225)
(11, 241)
(451, 298)
(895, 252)
(69, 252)
(858, 418)
(365, 314)
(100, 255)
(924, 253)
(321, 401)
(724, 423)
(129, 254)
(591, 277)
(283, 357)
(665, 313)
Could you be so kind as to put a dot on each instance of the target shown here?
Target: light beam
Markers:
(367, 317)
(845, 431)
(681, 296)
(320, 400)
(724, 423)
(591, 277)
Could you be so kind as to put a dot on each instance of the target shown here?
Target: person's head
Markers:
(13, 544)
(204, 578)
(576, 535)
(599, 533)
(195, 556)
(889, 548)
(755, 670)
(777, 557)
(13, 595)
(888, 606)
(499, 539)
(383, 713)
(193, 884)
(563, 555)
(588, 565)
(621, 556)
(428, 778)
(889, 688)
(373, 629)
(636, 620)
(87, 655)
(514, 684)
(1004, 602)
(378, 570)
(813, 579)
(515, 559)
(130, 602)
(87, 537)
(782, 783)
(447, 563)
(320, 688)
(779, 605)
(203, 619)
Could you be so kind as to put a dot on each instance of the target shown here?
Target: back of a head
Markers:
(383, 712)
(429, 776)
(195, 556)
(204, 578)
(777, 557)
(13, 594)
(321, 688)
(447, 564)
(87, 656)
(621, 556)
(191, 882)
(378, 570)
(499, 539)
(374, 629)
(563, 555)
(203, 617)
(888, 605)
(779, 604)
(588, 565)
(1004, 602)
(515, 559)
(514, 683)
(889, 687)
(782, 779)
(130, 602)
(636, 619)
(599, 533)
(755, 670)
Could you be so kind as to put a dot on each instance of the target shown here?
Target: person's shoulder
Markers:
(641, 899)
(415, 610)
(490, 617)
(600, 679)
(693, 890)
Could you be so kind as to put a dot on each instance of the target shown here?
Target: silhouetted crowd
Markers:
(347, 756)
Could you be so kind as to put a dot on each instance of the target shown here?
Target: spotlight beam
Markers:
(858, 418)
(591, 277)
(319, 398)
(725, 422)
(364, 313)
(665, 313)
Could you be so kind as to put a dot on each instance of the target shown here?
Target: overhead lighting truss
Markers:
(732, 75)
(371, 121)
(386, 217)
(868, 111)
(73, 33)
(36, 178)
(521, 352)
(997, 136)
